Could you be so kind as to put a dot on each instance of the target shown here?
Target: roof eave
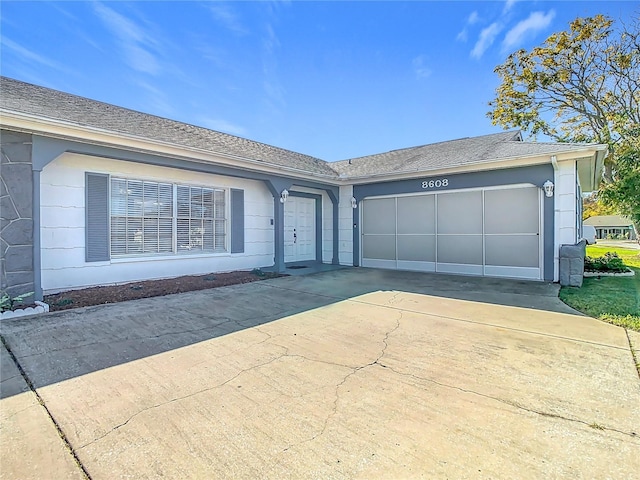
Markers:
(590, 169)
(493, 164)
(67, 130)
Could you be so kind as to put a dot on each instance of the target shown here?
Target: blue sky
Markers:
(331, 79)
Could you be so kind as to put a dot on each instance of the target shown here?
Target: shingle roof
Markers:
(52, 104)
(453, 153)
(24, 98)
(608, 221)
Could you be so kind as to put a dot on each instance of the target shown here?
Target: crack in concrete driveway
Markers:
(350, 374)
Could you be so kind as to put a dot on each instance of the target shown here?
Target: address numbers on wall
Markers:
(439, 183)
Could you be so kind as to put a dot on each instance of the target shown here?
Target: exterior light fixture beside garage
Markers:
(284, 195)
(548, 188)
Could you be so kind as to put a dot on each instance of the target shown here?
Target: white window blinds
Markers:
(161, 218)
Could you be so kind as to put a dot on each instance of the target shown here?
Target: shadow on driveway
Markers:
(63, 345)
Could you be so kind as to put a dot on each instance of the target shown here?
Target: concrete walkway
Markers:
(355, 373)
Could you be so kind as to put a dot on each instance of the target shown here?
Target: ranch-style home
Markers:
(612, 227)
(95, 194)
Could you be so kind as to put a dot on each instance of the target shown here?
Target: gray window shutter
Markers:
(237, 221)
(97, 217)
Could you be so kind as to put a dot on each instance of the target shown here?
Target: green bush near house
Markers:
(7, 302)
(609, 262)
(613, 300)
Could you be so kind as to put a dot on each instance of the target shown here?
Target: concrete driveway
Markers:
(356, 373)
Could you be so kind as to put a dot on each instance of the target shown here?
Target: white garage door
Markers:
(494, 232)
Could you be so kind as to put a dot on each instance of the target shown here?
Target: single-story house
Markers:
(96, 194)
(612, 226)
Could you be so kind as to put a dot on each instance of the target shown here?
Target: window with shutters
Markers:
(150, 218)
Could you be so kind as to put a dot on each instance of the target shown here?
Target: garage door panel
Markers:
(419, 248)
(463, 249)
(512, 250)
(460, 212)
(493, 232)
(381, 247)
(416, 214)
(513, 210)
(379, 216)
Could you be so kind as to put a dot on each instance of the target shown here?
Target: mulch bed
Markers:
(149, 288)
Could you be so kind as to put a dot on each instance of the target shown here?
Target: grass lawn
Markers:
(614, 300)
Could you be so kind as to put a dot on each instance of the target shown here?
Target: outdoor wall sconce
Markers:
(354, 202)
(548, 188)
(284, 195)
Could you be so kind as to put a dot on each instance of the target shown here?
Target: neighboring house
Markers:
(612, 226)
(95, 194)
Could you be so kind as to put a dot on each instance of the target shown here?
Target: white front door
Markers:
(299, 229)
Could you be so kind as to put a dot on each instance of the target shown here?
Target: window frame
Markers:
(175, 251)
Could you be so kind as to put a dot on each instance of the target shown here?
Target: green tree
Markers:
(580, 85)
(592, 206)
(624, 192)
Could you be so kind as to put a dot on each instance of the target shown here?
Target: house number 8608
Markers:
(435, 183)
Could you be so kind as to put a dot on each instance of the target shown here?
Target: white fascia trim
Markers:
(95, 136)
(92, 135)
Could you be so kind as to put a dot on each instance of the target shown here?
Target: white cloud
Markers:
(134, 40)
(275, 93)
(420, 68)
(156, 99)
(29, 56)
(221, 125)
(227, 18)
(472, 19)
(527, 28)
(486, 39)
(508, 5)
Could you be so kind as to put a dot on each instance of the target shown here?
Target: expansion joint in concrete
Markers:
(634, 354)
(40, 400)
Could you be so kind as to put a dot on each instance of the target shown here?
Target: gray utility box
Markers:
(572, 264)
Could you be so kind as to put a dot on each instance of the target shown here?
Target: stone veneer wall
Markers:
(16, 214)
(572, 264)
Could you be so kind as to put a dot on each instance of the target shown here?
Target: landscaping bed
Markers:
(613, 299)
(150, 288)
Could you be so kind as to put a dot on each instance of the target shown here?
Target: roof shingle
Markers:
(24, 98)
(52, 104)
(454, 153)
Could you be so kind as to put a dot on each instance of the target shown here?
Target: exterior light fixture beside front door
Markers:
(548, 188)
(354, 202)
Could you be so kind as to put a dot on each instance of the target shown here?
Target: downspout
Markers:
(37, 252)
(556, 222)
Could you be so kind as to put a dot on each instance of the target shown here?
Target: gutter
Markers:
(492, 164)
(257, 165)
(4, 114)
(599, 166)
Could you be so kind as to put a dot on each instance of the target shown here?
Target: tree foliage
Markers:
(580, 85)
(624, 192)
(593, 206)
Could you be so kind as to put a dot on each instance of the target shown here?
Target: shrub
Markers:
(609, 262)
(8, 302)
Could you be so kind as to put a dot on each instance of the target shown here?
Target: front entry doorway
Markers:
(299, 229)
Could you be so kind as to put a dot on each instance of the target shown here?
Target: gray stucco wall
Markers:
(16, 214)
